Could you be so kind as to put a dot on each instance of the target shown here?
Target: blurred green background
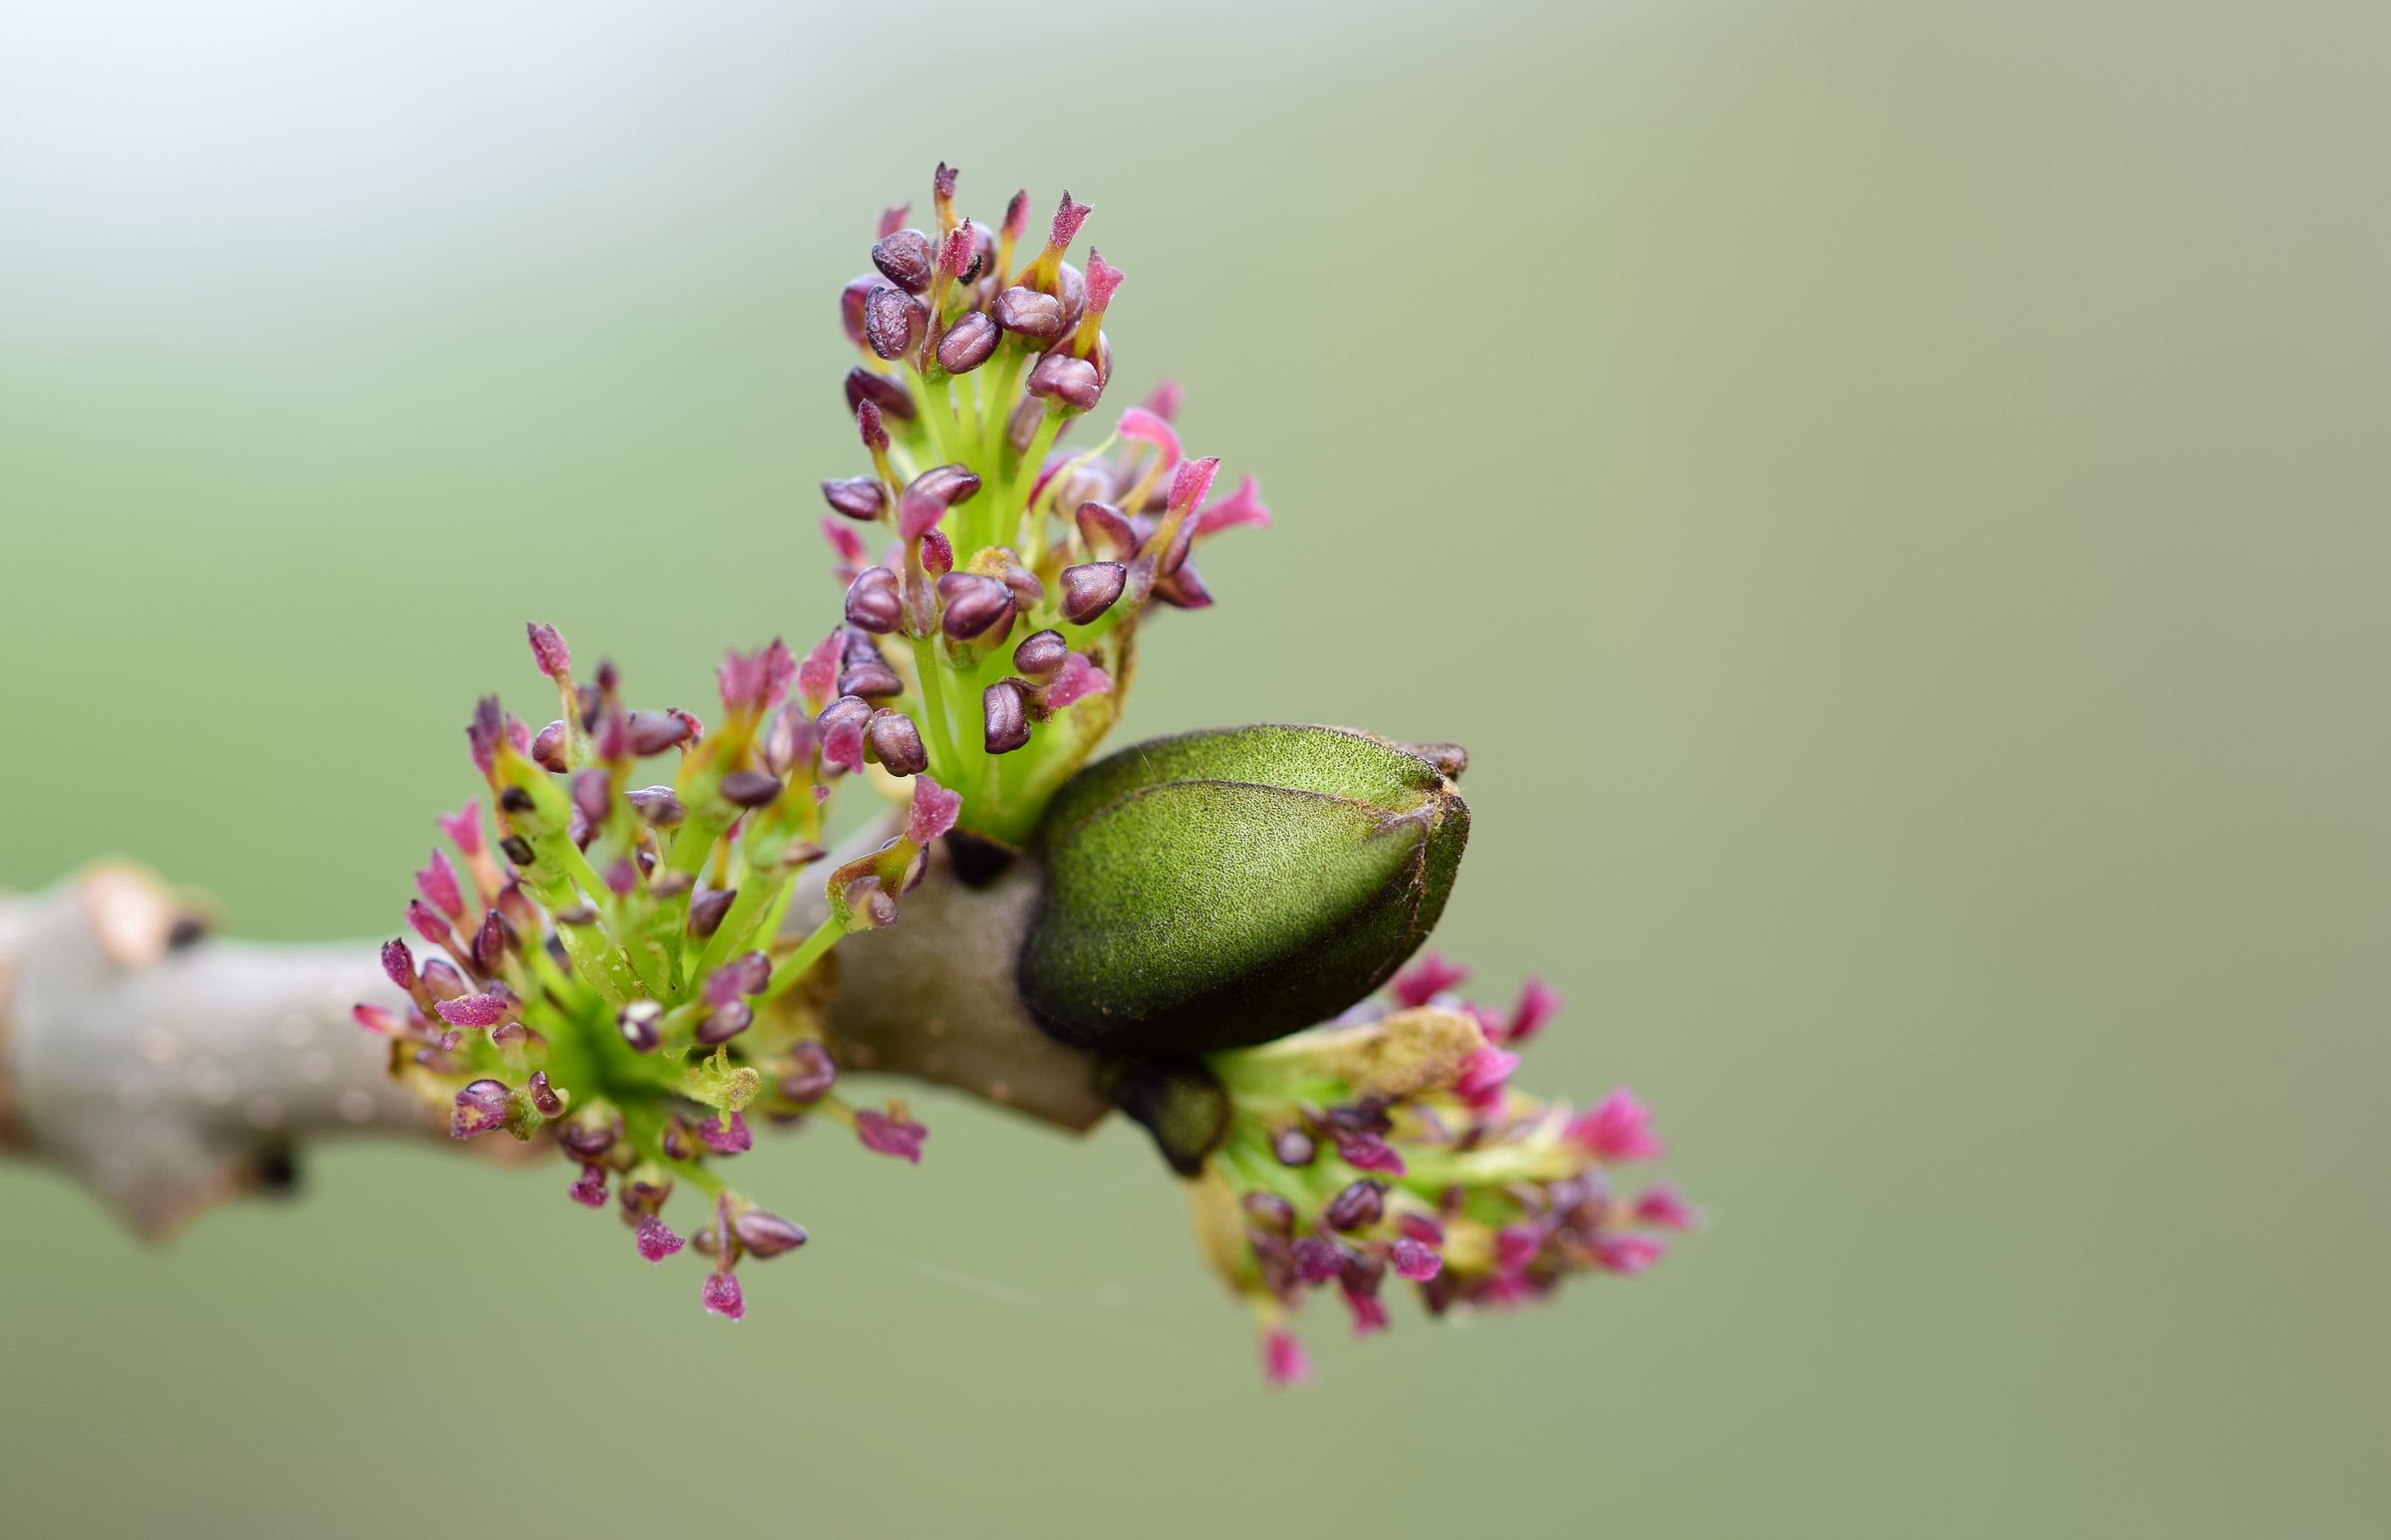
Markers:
(1892, 495)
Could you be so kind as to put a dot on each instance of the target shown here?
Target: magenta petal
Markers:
(734, 1140)
(1423, 980)
(1078, 679)
(722, 1296)
(1283, 1360)
(884, 1135)
(934, 812)
(1151, 427)
(655, 1240)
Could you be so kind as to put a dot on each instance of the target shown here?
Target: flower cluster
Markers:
(611, 963)
(1390, 1141)
(1003, 612)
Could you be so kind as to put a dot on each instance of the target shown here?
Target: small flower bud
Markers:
(815, 1072)
(1062, 377)
(750, 788)
(1293, 1146)
(706, 908)
(903, 259)
(767, 1235)
(480, 1108)
(548, 650)
(895, 743)
(892, 323)
(1091, 587)
(1042, 653)
(874, 603)
(850, 308)
(640, 1023)
(1358, 1207)
(1004, 716)
(653, 732)
(973, 604)
(725, 1022)
(967, 343)
(657, 806)
(889, 396)
(548, 748)
(1027, 313)
(945, 485)
(857, 497)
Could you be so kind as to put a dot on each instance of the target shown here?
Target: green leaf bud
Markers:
(1227, 887)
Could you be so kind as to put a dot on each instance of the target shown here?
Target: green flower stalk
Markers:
(622, 979)
(1004, 615)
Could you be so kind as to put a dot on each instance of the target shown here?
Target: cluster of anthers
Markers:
(1391, 1142)
(1003, 614)
(607, 966)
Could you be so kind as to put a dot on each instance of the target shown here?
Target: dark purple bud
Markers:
(1317, 1260)
(892, 323)
(1293, 1146)
(872, 601)
(895, 743)
(516, 848)
(1271, 1212)
(657, 806)
(815, 1072)
(679, 1140)
(871, 678)
(937, 554)
(542, 1095)
(1041, 652)
(1183, 590)
(1061, 378)
(889, 396)
(767, 1235)
(590, 1134)
(640, 1023)
(851, 307)
(748, 973)
(869, 429)
(1356, 1208)
(1027, 589)
(1027, 313)
(789, 743)
(973, 605)
(653, 732)
(593, 796)
(398, 964)
(490, 942)
(858, 497)
(945, 485)
(441, 981)
(904, 258)
(1091, 587)
(1107, 530)
(1004, 716)
(548, 749)
(707, 907)
(725, 1022)
(1414, 1259)
(967, 343)
(750, 788)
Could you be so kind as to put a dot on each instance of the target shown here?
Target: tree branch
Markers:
(169, 1071)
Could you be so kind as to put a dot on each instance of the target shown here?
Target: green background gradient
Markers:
(1892, 495)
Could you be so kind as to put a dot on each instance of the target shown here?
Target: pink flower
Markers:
(1516, 1246)
(1369, 1313)
(1151, 427)
(734, 1140)
(1620, 1128)
(1423, 980)
(1283, 1359)
(476, 1010)
(1191, 481)
(590, 1191)
(1662, 1208)
(1483, 1075)
(890, 1135)
(817, 675)
(1369, 1153)
(1240, 508)
(375, 1019)
(437, 883)
(934, 810)
(463, 827)
(722, 1296)
(1538, 1005)
(428, 923)
(1103, 279)
(845, 542)
(1624, 1252)
(1078, 679)
(480, 1108)
(656, 1241)
(548, 650)
(1414, 1259)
